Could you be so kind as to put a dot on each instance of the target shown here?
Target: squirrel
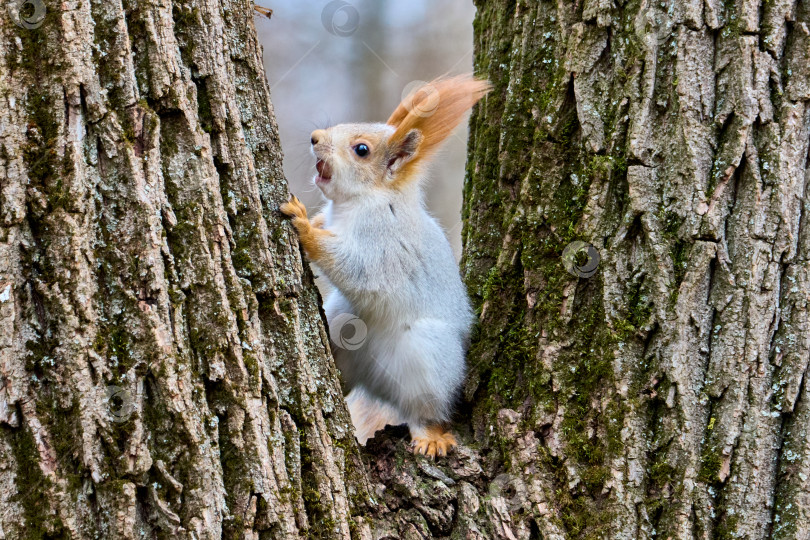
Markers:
(392, 268)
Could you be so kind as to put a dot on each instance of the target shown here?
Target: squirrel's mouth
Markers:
(324, 171)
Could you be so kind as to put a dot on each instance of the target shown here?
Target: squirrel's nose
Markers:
(316, 136)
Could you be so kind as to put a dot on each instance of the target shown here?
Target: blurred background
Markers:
(330, 62)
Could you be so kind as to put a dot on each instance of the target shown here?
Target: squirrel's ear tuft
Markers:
(402, 151)
(435, 110)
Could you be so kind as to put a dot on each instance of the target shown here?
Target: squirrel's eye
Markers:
(361, 150)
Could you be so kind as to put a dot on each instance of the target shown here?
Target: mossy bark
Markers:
(165, 369)
(665, 395)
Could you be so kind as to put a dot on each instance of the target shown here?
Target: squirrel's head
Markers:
(355, 159)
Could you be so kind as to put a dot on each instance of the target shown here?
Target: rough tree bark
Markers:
(665, 396)
(165, 371)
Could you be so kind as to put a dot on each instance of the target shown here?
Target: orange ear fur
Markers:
(435, 109)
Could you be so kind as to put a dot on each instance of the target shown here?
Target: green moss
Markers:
(588, 375)
(35, 56)
(321, 524)
(45, 169)
(710, 463)
(732, 28)
(680, 259)
(39, 517)
(662, 473)
(671, 226)
(246, 239)
(787, 518)
(727, 528)
(186, 20)
(252, 366)
(663, 480)
(639, 305)
(577, 516)
(40, 358)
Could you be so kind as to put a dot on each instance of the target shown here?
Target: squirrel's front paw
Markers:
(294, 208)
(435, 442)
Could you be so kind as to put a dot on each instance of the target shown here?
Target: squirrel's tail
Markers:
(435, 110)
(369, 415)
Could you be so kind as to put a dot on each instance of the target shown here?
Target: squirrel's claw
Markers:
(294, 208)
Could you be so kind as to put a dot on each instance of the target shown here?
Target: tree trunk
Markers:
(664, 395)
(165, 369)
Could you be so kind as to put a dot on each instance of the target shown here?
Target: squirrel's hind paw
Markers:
(435, 442)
